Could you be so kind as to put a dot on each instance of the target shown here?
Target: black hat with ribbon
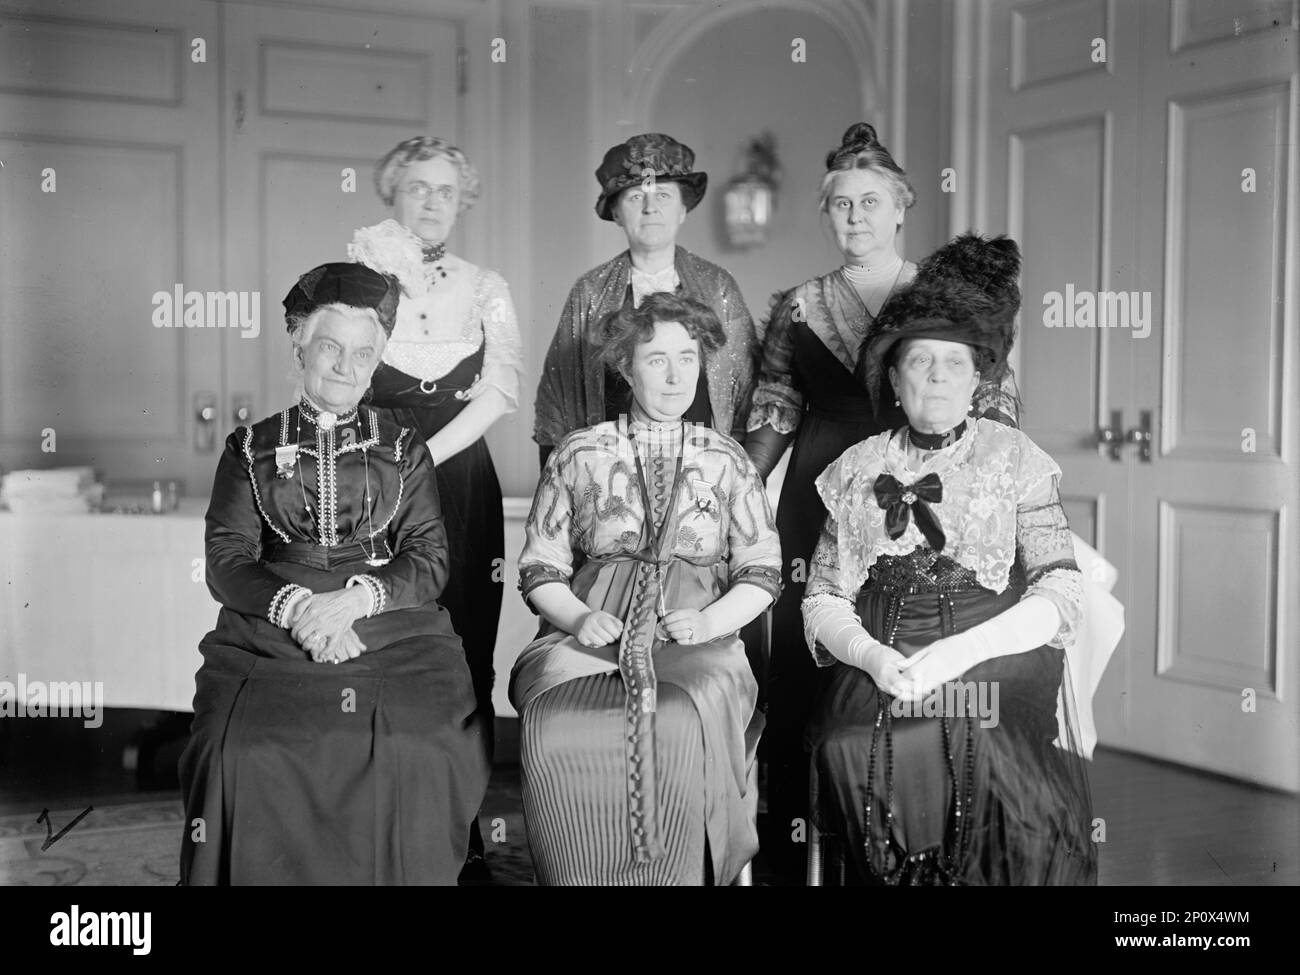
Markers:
(965, 291)
(651, 157)
(346, 284)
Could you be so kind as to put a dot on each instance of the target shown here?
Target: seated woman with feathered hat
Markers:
(944, 592)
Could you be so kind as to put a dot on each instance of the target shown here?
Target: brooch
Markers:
(703, 495)
(285, 460)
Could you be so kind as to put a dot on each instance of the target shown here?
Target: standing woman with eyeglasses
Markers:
(450, 370)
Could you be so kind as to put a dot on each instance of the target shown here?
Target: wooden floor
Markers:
(1164, 825)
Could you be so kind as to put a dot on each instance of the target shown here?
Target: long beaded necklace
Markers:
(882, 860)
(325, 421)
(657, 531)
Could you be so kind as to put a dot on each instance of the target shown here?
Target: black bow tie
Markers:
(899, 502)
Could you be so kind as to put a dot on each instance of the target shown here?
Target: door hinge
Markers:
(462, 75)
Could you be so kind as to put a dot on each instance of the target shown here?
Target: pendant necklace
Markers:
(855, 274)
(326, 421)
(434, 254)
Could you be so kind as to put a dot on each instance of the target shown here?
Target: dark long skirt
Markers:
(891, 782)
(838, 417)
(470, 495)
(366, 772)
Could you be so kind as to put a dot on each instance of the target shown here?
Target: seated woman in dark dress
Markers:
(649, 545)
(325, 546)
(945, 593)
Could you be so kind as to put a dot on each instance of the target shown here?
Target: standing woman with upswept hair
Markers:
(807, 393)
(450, 371)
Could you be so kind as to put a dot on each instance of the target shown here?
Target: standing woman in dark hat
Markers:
(335, 739)
(647, 186)
(807, 392)
(944, 593)
(451, 371)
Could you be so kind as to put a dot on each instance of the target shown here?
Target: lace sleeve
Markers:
(776, 401)
(503, 361)
(824, 586)
(824, 572)
(1045, 549)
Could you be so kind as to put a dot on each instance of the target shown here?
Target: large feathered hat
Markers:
(965, 291)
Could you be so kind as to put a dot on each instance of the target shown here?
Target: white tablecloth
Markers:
(118, 599)
(111, 598)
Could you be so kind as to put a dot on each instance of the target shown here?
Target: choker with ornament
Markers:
(325, 419)
(932, 441)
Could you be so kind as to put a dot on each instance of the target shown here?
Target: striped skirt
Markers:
(575, 786)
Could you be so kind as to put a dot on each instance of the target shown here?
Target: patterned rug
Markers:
(137, 843)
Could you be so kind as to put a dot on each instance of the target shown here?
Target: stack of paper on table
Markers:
(59, 490)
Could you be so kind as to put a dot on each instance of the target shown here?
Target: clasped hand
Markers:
(914, 678)
(322, 624)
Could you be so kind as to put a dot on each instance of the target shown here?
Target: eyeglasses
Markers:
(422, 191)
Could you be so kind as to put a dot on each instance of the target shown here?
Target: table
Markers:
(121, 599)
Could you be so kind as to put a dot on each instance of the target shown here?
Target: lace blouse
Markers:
(1001, 506)
(448, 322)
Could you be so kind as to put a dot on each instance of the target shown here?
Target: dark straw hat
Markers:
(347, 284)
(632, 162)
(965, 291)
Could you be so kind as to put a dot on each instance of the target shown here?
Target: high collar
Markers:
(321, 417)
(655, 433)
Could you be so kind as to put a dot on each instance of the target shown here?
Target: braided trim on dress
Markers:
(401, 484)
(280, 601)
(252, 479)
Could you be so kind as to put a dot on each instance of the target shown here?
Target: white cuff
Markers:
(832, 622)
(283, 601)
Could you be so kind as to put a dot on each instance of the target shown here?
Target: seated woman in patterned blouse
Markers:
(650, 543)
(944, 592)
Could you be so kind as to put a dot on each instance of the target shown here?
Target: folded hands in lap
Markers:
(941, 661)
(322, 624)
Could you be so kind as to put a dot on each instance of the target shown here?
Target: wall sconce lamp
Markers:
(750, 198)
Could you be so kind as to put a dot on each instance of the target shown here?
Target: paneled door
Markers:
(1055, 158)
(1143, 155)
(108, 200)
(1216, 543)
(313, 100)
